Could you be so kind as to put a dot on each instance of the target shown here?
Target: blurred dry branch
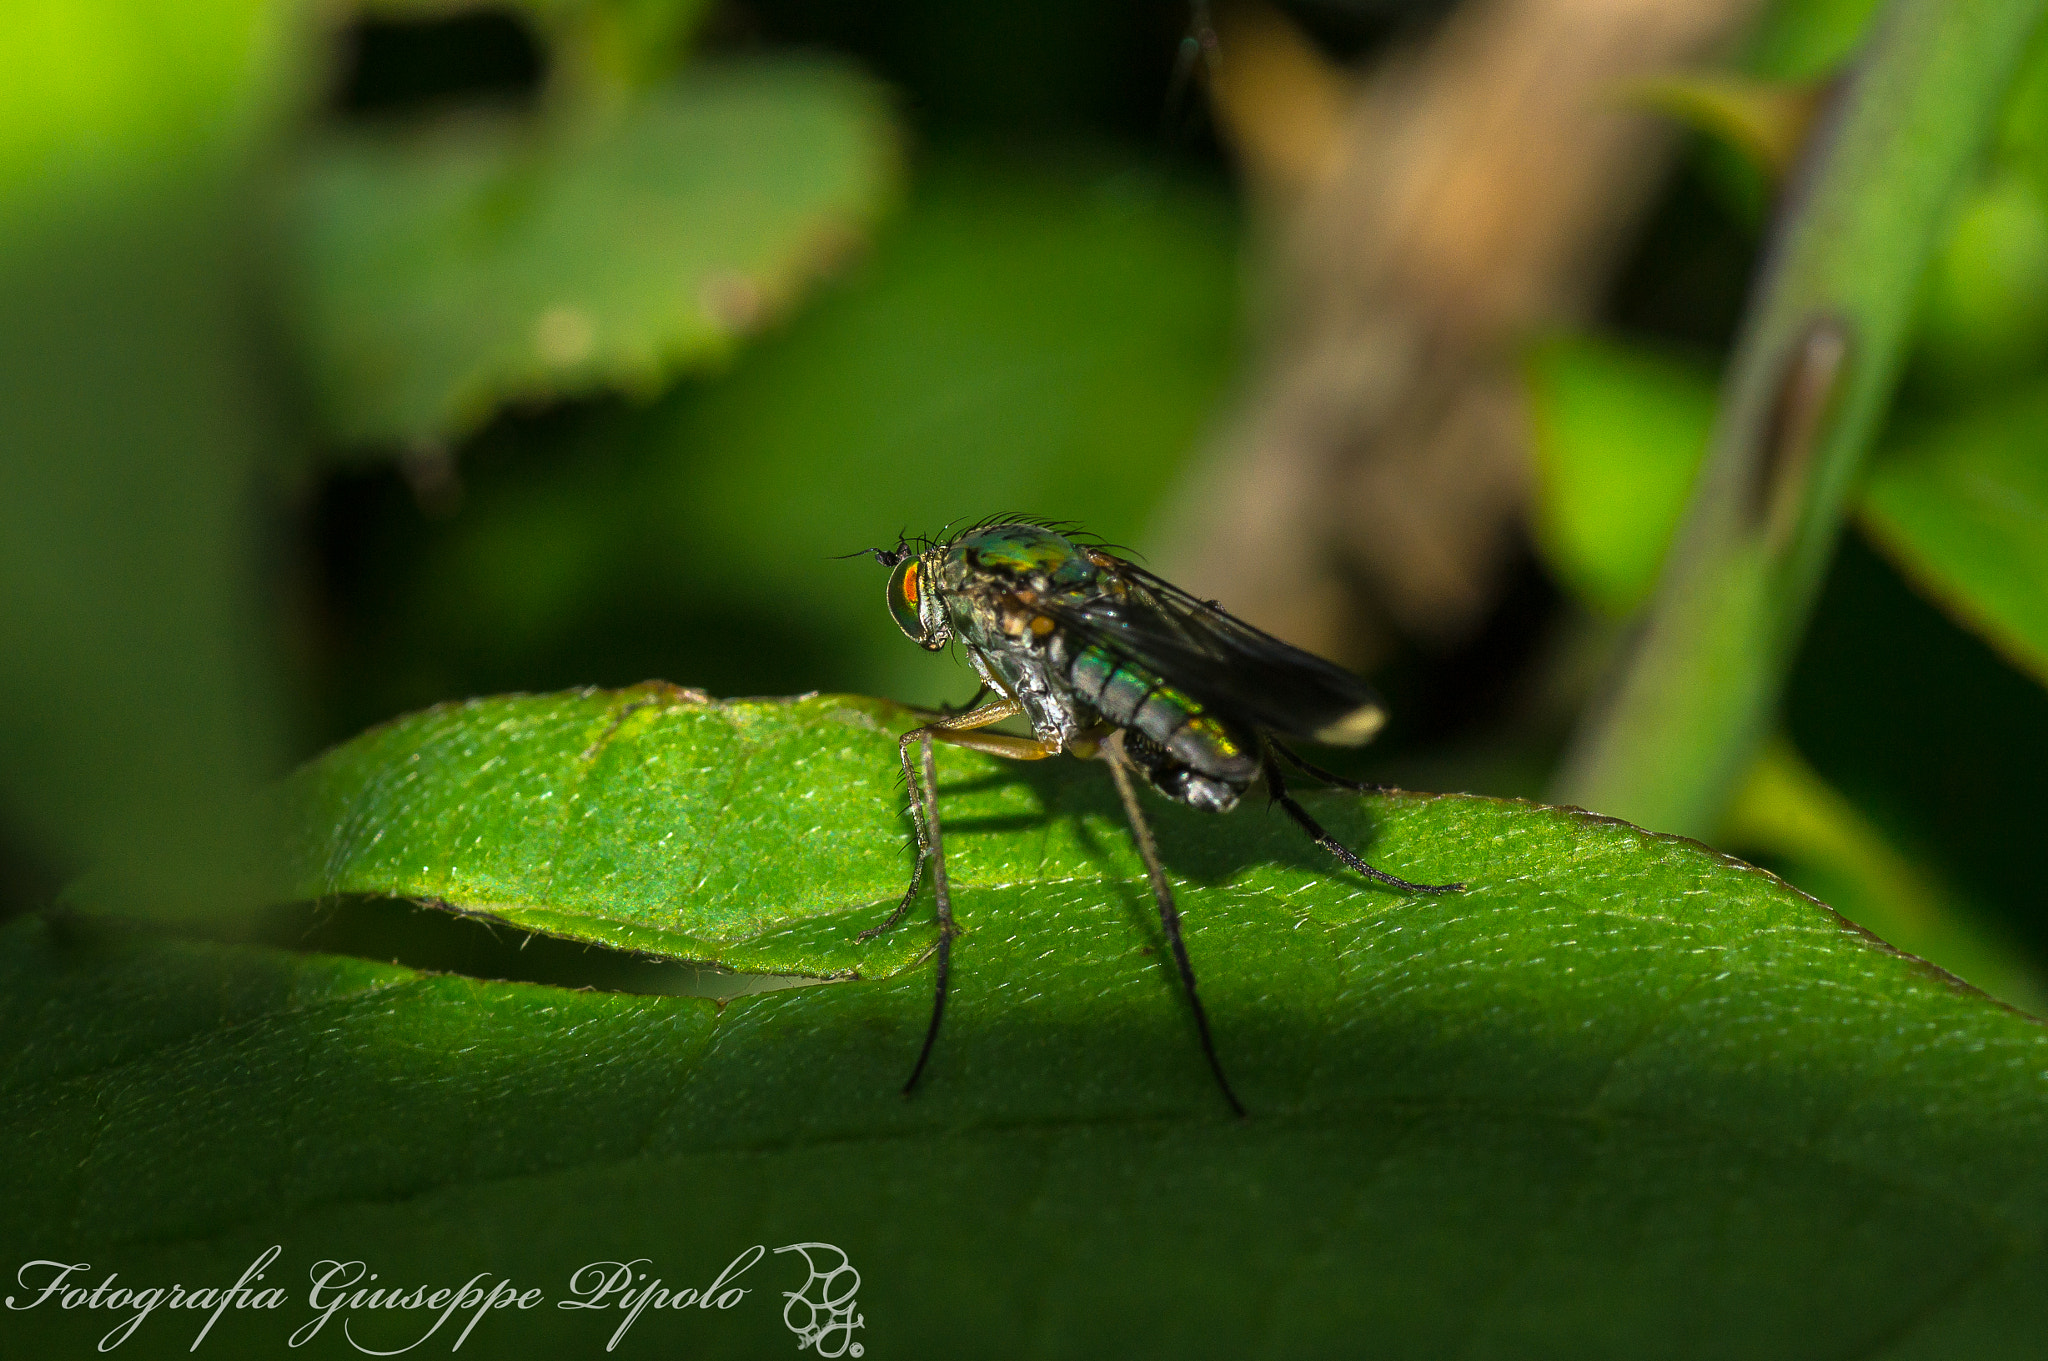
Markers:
(1424, 222)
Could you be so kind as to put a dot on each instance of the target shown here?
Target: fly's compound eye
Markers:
(906, 602)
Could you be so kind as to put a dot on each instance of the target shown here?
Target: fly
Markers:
(1107, 661)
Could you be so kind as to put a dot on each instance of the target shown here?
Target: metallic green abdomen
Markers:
(1131, 697)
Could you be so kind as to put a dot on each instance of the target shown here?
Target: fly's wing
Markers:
(1220, 660)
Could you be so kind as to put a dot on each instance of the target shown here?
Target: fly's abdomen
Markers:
(1132, 697)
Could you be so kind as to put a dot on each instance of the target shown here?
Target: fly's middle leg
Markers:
(1112, 753)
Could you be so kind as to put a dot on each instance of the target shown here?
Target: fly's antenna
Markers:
(888, 557)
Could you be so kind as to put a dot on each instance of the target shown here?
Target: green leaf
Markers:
(1962, 508)
(1619, 434)
(1985, 318)
(1807, 39)
(445, 272)
(1961, 505)
(1624, 1096)
(1764, 122)
(652, 819)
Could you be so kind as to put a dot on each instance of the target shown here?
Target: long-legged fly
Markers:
(1106, 660)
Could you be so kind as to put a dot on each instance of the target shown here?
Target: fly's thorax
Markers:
(994, 580)
(1022, 556)
(1134, 698)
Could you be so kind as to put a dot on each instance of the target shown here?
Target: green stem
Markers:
(1812, 374)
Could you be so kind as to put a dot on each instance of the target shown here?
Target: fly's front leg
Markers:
(958, 729)
(972, 701)
(923, 848)
(923, 780)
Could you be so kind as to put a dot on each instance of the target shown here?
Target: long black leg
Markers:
(943, 893)
(1169, 915)
(1327, 777)
(1335, 847)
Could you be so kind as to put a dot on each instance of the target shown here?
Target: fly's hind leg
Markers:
(1326, 776)
(1278, 787)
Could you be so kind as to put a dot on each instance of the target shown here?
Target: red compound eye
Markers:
(903, 600)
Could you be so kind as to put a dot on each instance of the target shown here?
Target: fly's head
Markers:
(916, 599)
(988, 585)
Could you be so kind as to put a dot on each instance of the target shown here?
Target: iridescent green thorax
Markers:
(1014, 558)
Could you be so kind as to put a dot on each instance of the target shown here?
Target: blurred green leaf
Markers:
(1932, 735)
(1801, 40)
(1962, 507)
(139, 698)
(1960, 504)
(1765, 121)
(552, 10)
(2023, 136)
(120, 98)
(1985, 318)
(448, 271)
(1619, 434)
(1812, 378)
(1624, 1096)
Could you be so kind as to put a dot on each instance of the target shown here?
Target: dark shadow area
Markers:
(435, 938)
(28, 880)
(392, 69)
(1056, 68)
(1929, 732)
(1443, 698)
(1686, 278)
(1205, 848)
(533, 588)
